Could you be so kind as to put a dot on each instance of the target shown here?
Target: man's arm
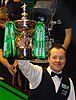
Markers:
(68, 37)
(6, 63)
(72, 91)
(32, 72)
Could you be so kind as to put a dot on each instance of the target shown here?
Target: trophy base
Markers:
(24, 53)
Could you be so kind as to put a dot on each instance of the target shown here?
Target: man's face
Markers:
(57, 59)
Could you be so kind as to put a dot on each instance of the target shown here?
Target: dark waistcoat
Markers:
(46, 89)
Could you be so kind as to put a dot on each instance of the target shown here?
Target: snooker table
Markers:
(7, 92)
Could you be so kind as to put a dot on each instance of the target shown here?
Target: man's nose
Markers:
(58, 59)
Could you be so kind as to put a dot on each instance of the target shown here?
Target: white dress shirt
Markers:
(34, 74)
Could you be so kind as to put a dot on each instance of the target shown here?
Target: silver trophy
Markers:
(24, 40)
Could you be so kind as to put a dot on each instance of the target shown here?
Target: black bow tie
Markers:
(53, 74)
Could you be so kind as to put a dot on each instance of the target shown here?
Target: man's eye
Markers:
(54, 57)
(61, 58)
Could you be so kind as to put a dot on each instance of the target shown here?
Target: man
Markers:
(62, 31)
(7, 70)
(59, 26)
(14, 9)
(50, 83)
(6, 65)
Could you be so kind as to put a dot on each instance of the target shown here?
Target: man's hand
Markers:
(12, 69)
(15, 65)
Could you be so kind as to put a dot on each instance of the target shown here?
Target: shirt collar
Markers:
(50, 70)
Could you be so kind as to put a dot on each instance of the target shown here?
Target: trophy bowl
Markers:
(27, 25)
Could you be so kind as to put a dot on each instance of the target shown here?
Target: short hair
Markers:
(58, 46)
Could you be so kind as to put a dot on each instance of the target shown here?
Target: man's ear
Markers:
(48, 59)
